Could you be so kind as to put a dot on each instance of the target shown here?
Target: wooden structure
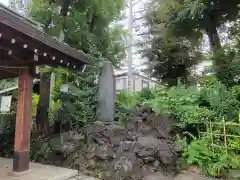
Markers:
(22, 48)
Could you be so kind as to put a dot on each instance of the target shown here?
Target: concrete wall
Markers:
(139, 82)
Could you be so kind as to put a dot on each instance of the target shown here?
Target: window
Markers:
(125, 83)
(134, 88)
(118, 84)
(207, 70)
(145, 84)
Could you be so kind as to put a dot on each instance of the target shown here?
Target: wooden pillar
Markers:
(23, 121)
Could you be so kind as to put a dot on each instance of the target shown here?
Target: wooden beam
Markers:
(42, 48)
(23, 122)
(11, 63)
(16, 50)
(19, 53)
(21, 25)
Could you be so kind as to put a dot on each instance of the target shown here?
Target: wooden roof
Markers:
(22, 45)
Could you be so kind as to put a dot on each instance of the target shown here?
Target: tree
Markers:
(85, 25)
(169, 57)
(229, 55)
(169, 60)
(192, 18)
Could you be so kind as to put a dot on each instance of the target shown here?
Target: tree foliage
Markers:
(7, 83)
(229, 69)
(169, 56)
(191, 18)
(169, 59)
(88, 26)
(188, 21)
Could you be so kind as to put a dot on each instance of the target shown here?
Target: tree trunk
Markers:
(215, 43)
(65, 7)
(211, 30)
(43, 104)
(172, 82)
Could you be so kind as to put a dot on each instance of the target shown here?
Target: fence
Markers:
(222, 134)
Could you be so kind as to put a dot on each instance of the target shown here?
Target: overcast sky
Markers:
(138, 6)
(138, 12)
(4, 2)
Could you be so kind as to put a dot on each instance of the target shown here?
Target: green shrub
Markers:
(191, 105)
(214, 163)
(192, 108)
(188, 114)
(183, 104)
(221, 100)
(125, 102)
(81, 100)
(236, 92)
(145, 95)
(35, 99)
(40, 153)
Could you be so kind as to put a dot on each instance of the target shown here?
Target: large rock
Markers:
(67, 143)
(106, 93)
(141, 147)
(152, 149)
(127, 167)
(234, 175)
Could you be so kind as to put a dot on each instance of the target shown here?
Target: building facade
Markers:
(139, 82)
(204, 68)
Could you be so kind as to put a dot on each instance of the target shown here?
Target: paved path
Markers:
(82, 177)
(182, 176)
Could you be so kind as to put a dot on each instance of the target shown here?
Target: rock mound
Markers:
(132, 151)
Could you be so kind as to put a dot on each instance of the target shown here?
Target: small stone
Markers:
(79, 160)
(90, 155)
(107, 174)
(156, 164)
(56, 143)
(68, 162)
(91, 164)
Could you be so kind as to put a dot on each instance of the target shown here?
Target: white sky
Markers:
(139, 5)
(138, 28)
(4, 2)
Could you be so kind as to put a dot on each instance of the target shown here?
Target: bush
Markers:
(81, 100)
(236, 92)
(125, 103)
(145, 95)
(221, 100)
(214, 163)
(192, 105)
(183, 104)
(127, 100)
